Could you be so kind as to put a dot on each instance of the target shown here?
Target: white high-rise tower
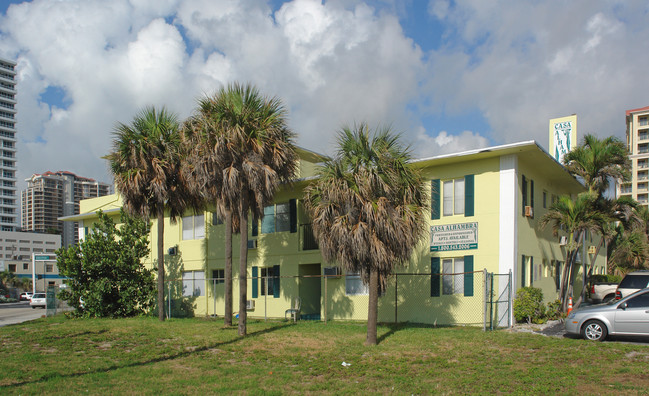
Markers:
(8, 200)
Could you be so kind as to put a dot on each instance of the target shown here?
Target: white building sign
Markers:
(454, 237)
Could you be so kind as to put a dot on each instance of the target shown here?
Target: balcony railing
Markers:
(308, 241)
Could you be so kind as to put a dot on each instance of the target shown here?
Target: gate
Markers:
(498, 299)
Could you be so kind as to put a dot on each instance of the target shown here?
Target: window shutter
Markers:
(276, 281)
(469, 195)
(532, 197)
(255, 226)
(292, 207)
(255, 286)
(523, 271)
(434, 277)
(468, 276)
(524, 187)
(434, 199)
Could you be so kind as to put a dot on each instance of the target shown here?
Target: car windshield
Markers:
(634, 282)
(39, 295)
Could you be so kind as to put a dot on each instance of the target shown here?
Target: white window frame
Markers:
(354, 285)
(452, 275)
(280, 217)
(193, 227)
(453, 193)
(193, 283)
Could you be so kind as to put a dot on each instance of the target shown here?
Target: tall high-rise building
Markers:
(8, 204)
(52, 195)
(637, 141)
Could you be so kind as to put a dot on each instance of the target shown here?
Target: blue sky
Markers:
(449, 75)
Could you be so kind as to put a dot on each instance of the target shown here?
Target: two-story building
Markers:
(486, 207)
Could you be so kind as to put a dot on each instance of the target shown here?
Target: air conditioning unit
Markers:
(252, 244)
(250, 305)
(173, 250)
(332, 272)
(592, 249)
(529, 212)
(563, 241)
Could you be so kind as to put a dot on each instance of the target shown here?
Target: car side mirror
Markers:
(622, 306)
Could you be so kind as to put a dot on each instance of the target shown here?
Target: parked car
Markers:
(632, 282)
(602, 292)
(38, 300)
(628, 316)
(25, 296)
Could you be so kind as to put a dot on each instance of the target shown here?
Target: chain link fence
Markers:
(472, 298)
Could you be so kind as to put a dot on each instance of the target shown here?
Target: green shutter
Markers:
(468, 276)
(255, 226)
(276, 281)
(524, 188)
(434, 199)
(255, 286)
(532, 197)
(523, 271)
(434, 277)
(292, 207)
(469, 192)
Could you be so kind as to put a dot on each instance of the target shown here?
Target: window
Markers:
(354, 285)
(545, 199)
(276, 218)
(451, 275)
(453, 197)
(641, 301)
(12, 267)
(453, 278)
(193, 227)
(216, 219)
(193, 283)
(49, 267)
(269, 281)
(218, 276)
(268, 288)
(25, 266)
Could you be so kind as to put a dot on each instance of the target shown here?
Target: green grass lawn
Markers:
(198, 356)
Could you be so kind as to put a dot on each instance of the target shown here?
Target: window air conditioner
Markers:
(252, 244)
(332, 272)
(529, 212)
(563, 241)
(250, 305)
(592, 249)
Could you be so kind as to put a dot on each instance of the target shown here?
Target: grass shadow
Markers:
(150, 361)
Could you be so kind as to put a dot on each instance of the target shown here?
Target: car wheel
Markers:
(594, 330)
(33, 307)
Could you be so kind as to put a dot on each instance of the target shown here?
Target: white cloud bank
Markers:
(516, 63)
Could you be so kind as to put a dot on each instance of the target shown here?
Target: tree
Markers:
(368, 209)
(598, 161)
(575, 217)
(246, 138)
(145, 163)
(106, 276)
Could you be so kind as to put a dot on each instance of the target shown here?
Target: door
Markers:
(310, 291)
(634, 319)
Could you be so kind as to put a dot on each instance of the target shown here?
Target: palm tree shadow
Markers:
(183, 354)
(394, 327)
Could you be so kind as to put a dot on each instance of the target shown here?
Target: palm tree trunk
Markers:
(372, 310)
(243, 264)
(161, 267)
(228, 268)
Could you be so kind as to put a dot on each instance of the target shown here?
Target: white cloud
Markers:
(444, 143)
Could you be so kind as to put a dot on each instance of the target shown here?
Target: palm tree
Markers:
(254, 152)
(145, 164)
(368, 209)
(598, 161)
(575, 217)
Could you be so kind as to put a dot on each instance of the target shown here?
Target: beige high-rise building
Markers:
(637, 141)
(52, 195)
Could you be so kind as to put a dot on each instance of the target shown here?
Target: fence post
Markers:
(325, 300)
(169, 298)
(214, 295)
(484, 305)
(266, 299)
(396, 300)
(510, 317)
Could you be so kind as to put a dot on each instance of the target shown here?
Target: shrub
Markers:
(554, 310)
(528, 305)
(604, 278)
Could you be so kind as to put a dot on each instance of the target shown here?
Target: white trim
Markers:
(508, 227)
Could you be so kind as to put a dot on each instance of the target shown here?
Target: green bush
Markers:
(528, 305)
(554, 310)
(604, 278)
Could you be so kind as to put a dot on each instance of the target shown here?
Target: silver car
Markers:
(629, 316)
